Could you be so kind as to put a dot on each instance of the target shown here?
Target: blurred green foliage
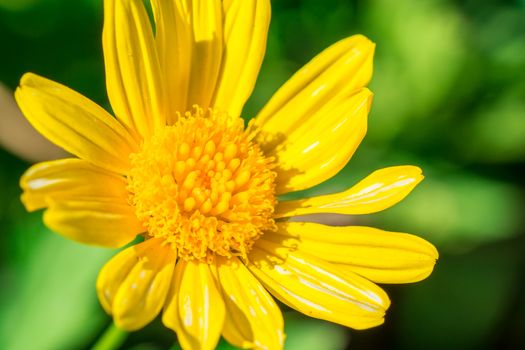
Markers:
(449, 88)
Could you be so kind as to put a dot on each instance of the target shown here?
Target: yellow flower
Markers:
(177, 166)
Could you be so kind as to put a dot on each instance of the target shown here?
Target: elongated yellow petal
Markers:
(195, 310)
(378, 191)
(235, 335)
(245, 31)
(75, 123)
(113, 274)
(142, 294)
(174, 41)
(132, 66)
(207, 48)
(252, 317)
(327, 79)
(133, 285)
(320, 289)
(99, 221)
(68, 178)
(307, 157)
(170, 314)
(380, 256)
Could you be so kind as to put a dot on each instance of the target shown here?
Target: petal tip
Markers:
(26, 78)
(369, 324)
(363, 43)
(25, 198)
(31, 80)
(411, 171)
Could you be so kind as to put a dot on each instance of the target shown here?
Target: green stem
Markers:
(111, 339)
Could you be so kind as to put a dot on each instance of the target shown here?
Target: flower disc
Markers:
(203, 186)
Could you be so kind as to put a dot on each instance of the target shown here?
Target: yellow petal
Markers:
(329, 78)
(113, 274)
(142, 294)
(121, 271)
(307, 157)
(236, 336)
(378, 191)
(173, 36)
(245, 31)
(206, 24)
(195, 310)
(68, 178)
(320, 289)
(132, 66)
(252, 317)
(380, 256)
(75, 123)
(93, 220)
(170, 315)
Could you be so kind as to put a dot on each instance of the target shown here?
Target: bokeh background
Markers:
(449, 89)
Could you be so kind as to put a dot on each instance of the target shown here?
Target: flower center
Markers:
(203, 186)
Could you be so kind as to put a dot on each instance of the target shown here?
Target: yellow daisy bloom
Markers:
(178, 167)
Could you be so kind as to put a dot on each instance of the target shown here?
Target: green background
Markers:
(449, 86)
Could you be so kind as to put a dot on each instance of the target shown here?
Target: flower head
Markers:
(177, 166)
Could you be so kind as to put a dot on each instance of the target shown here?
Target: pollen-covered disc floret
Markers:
(203, 186)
